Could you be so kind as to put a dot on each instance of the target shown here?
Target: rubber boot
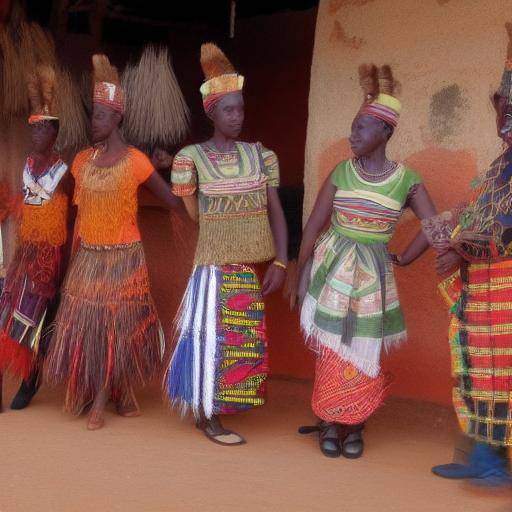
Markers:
(26, 391)
(485, 463)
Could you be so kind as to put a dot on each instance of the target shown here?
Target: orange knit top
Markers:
(107, 197)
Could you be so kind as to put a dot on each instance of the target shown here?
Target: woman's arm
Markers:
(317, 220)
(278, 225)
(319, 217)
(192, 206)
(275, 275)
(423, 207)
(156, 184)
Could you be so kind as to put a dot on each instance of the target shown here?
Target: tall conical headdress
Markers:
(107, 87)
(220, 76)
(41, 86)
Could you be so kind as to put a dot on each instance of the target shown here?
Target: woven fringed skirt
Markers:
(107, 336)
(481, 347)
(30, 287)
(350, 313)
(220, 363)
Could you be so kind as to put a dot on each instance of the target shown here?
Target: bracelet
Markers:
(279, 264)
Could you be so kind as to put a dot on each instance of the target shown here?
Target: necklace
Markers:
(211, 146)
(388, 169)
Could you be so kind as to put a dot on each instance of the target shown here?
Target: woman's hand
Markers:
(274, 279)
(447, 261)
(301, 285)
(397, 260)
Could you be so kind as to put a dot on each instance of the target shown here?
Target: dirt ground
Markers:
(158, 462)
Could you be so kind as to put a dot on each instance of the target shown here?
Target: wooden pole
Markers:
(232, 19)
(98, 16)
(59, 19)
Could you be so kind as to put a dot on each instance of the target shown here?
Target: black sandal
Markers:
(224, 437)
(328, 435)
(352, 446)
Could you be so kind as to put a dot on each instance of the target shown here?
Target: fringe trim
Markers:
(363, 353)
(211, 344)
(197, 325)
(199, 303)
(182, 322)
(107, 334)
(15, 359)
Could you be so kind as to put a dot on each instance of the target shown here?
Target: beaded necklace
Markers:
(388, 169)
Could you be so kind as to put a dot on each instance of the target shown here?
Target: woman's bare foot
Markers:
(96, 415)
(96, 420)
(127, 406)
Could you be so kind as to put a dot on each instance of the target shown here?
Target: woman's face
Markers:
(503, 119)
(368, 133)
(103, 122)
(43, 136)
(228, 115)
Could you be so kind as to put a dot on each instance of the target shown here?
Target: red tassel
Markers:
(15, 359)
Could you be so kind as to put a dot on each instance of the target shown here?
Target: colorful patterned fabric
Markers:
(34, 275)
(480, 332)
(30, 286)
(110, 95)
(368, 212)
(39, 188)
(233, 219)
(220, 363)
(385, 107)
(484, 229)
(221, 85)
(107, 197)
(220, 76)
(481, 347)
(352, 305)
(342, 393)
(107, 334)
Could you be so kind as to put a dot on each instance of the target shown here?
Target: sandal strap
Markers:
(309, 429)
(329, 431)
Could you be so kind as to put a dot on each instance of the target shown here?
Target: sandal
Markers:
(328, 437)
(352, 446)
(224, 437)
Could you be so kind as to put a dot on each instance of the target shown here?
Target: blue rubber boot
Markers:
(486, 463)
